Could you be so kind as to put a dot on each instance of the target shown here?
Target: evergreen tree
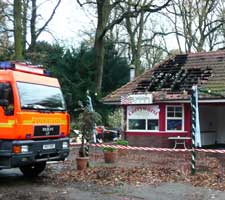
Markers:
(74, 69)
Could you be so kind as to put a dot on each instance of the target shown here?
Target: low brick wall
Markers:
(150, 141)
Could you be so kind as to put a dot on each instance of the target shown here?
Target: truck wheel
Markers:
(33, 170)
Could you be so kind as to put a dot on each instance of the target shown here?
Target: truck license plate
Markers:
(48, 146)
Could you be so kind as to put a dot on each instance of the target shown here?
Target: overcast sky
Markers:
(67, 23)
(70, 20)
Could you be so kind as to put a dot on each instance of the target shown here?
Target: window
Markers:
(40, 97)
(153, 124)
(143, 118)
(137, 124)
(174, 118)
(6, 98)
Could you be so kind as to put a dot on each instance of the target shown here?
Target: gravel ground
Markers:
(50, 186)
(16, 187)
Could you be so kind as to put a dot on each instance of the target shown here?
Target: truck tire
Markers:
(33, 170)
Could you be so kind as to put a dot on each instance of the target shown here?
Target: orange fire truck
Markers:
(34, 124)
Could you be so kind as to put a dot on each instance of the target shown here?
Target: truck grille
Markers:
(46, 130)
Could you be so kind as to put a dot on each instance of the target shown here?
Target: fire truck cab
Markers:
(34, 123)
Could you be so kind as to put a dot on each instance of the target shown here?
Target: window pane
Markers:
(136, 124)
(178, 109)
(178, 114)
(171, 109)
(170, 114)
(174, 124)
(153, 124)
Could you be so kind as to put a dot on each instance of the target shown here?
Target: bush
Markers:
(122, 142)
(110, 149)
(114, 118)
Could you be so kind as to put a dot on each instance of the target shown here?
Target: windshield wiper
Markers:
(28, 106)
(34, 106)
(43, 108)
(59, 109)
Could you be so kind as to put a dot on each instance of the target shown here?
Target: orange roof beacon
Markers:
(34, 124)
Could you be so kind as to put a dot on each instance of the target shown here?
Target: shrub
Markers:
(110, 149)
(114, 118)
(122, 142)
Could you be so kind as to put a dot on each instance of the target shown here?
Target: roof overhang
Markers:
(170, 101)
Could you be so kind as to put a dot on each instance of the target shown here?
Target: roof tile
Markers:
(174, 78)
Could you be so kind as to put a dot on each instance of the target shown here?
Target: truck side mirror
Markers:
(69, 99)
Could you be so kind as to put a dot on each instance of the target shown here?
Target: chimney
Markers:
(132, 72)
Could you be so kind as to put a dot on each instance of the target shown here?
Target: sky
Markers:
(67, 23)
(70, 20)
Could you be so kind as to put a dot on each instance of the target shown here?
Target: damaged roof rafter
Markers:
(174, 77)
(214, 78)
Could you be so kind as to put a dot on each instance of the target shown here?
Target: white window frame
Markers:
(182, 106)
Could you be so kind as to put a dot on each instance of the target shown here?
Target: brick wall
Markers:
(150, 141)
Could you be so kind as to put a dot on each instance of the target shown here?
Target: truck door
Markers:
(7, 118)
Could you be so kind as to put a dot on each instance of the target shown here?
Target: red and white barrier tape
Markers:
(210, 150)
(153, 149)
(141, 148)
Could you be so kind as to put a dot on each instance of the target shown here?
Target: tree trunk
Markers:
(18, 38)
(33, 26)
(99, 62)
(103, 12)
(139, 43)
(103, 7)
(24, 21)
(136, 44)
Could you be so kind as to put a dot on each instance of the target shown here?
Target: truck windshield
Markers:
(40, 97)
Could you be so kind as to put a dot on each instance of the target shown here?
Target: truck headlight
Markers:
(24, 148)
(20, 149)
(65, 145)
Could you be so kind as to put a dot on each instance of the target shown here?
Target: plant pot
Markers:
(82, 163)
(110, 156)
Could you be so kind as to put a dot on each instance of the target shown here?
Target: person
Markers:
(99, 131)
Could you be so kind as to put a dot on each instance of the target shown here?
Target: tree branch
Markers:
(49, 19)
(85, 3)
(132, 14)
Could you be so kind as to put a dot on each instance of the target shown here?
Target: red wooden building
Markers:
(157, 103)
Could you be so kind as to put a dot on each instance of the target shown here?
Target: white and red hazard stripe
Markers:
(153, 149)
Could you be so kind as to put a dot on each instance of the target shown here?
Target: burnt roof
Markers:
(173, 78)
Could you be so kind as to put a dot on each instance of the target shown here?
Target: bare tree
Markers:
(34, 30)
(105, 23)
(197, 23)
(4, 36)
(135, 30)
(154, 50)
(221, 33)
(26, 25)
